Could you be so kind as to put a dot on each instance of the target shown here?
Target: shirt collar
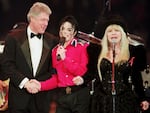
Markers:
(29, 31)
(74, 42)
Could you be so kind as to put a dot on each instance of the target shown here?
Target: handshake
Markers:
(33, 86)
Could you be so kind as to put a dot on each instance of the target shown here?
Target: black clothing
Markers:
(128, 95)
(73, 103)
(125, 98)
(17, 65)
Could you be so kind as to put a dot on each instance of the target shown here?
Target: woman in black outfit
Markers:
(118, 86)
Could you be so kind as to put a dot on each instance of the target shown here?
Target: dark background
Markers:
(87, 12)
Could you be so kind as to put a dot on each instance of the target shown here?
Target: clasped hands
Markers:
(33, 86)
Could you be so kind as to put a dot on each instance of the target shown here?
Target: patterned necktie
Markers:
(37, 35)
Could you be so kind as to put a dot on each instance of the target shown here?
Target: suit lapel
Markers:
(45, 53)
(26, 52)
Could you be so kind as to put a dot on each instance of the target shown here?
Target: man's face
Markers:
(67, 31)
(39, 23)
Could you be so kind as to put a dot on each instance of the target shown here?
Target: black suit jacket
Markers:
(17, 65)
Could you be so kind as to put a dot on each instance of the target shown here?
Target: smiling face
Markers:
(38, 17)
(67, 30)
(113, 34)
(39, 23)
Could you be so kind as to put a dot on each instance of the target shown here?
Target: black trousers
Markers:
(76, 102)
(6, 111)
(31, 108)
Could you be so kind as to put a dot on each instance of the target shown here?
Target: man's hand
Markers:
(62, 52)
(78, 80)
(33, 86)
(145, 105)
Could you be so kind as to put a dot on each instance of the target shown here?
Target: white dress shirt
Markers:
(36, 46)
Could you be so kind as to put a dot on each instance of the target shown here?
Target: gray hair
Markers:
(37, 8)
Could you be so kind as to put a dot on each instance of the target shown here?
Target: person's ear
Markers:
(75, 32)
(60, 34)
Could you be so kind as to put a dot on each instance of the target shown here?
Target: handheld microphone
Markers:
(61, 43)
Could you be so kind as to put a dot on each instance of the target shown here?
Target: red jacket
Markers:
(75, 64)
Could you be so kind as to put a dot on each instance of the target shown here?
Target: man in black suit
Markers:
(27, 55)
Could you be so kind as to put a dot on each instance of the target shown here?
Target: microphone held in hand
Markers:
(61, 43)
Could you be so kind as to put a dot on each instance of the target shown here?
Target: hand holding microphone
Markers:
(60, 50)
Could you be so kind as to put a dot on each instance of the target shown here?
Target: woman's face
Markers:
(67, 31)
(113, 34)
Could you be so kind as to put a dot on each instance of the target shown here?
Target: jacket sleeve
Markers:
(139, 65)
(49, 84)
